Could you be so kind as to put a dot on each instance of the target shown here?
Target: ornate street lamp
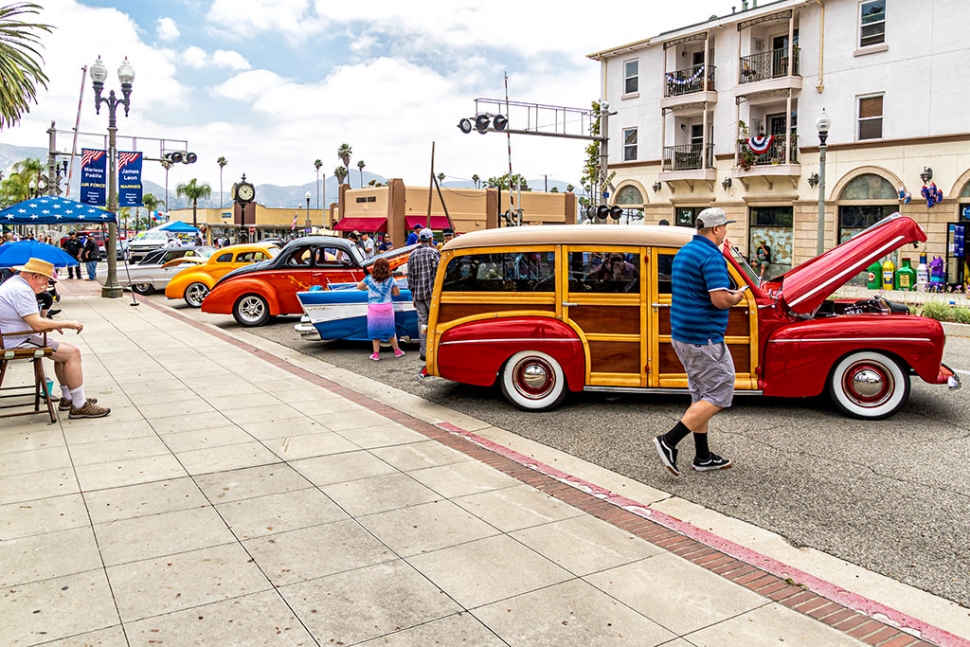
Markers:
(126, 74)
(822, 125)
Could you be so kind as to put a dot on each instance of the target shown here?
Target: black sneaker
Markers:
(714, 462)
(667, 454)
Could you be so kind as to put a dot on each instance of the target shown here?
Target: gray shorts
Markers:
(37, 341)
(710, 372)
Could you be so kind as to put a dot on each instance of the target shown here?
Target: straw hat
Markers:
(37, 266)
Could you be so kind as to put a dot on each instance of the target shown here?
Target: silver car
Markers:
(157, 268)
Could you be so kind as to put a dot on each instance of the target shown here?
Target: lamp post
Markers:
(126, 74)
(307, 229)
(822, 125)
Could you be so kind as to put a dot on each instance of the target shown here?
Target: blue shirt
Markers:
(412, 238)
(379, 292)
(699, 269)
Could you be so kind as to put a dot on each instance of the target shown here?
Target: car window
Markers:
(250, 257)
(512, 272)
(299, 258)
(224, 258)
(331, 257)
(604, 272)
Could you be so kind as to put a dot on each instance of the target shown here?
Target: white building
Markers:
(688, 106)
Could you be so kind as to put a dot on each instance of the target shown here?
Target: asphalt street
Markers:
(891, 496)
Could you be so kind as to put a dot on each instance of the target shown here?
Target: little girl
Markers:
(381, 286)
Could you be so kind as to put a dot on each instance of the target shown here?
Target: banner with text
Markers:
(94, 176)
(129, 179)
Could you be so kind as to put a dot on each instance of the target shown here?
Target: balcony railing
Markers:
(688, 157)
(774, 155)
(766, 65)
(689, 80)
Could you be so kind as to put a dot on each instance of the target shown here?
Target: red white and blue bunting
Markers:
(760, 144)
(678, 81)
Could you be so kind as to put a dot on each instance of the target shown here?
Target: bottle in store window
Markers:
(874, 275)
(922, 274)
(888, 274)
(906, 277)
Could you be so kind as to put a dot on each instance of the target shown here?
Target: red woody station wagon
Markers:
(550, 310)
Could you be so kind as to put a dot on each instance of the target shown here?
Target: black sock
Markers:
(677, 434)
(700, 445)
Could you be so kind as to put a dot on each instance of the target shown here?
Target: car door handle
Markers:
(569, 304)
(660, 305)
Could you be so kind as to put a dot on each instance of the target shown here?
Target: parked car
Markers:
(157, 268)
(121, 250)
(254, 293)
(341, 313)
(528, 308)
(146, 241)
(194, 283)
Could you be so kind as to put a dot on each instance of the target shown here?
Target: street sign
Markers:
(252, 230)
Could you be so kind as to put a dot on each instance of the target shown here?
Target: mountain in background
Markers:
(268, 195)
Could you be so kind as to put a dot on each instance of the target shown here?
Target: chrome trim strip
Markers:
(644, 389)
(846, 339)
(486, 341)
(891, 244)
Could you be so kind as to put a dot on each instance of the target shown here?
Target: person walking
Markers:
(90, 257)
(762, 259)
(700, 299)
(73, 248)
(381, 288)
(422, 267)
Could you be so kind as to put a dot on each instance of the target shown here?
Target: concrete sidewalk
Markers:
(235, 496)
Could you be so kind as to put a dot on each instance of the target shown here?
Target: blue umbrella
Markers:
(13, 254)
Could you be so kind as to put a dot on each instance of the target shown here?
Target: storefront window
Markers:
(772, 226)
(685, 216)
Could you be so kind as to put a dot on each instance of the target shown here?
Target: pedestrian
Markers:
(90, 255)
(73, 249)
(386, 244)
(422, 267)
(381, 288)
(413, 236)
(700, 299)
(762, 259)
(367, 244)
(18, 312)
(446, 235)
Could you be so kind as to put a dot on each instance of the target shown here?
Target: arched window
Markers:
(966, 191)
(865, 201)
(629, 196)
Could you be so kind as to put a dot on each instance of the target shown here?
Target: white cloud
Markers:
(230, 59)
(194, 56)
(166, 30)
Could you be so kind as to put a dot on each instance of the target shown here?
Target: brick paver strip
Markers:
(901, 641)
(652, 525)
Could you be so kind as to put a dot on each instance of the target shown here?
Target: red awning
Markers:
(361, 224)
(437, 222)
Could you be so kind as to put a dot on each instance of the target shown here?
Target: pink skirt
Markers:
(380, 321)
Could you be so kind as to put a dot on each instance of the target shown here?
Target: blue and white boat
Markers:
(340, 312)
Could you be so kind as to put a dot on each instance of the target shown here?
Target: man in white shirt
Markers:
(18, 312)
(367, 243)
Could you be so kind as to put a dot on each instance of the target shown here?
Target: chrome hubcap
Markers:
(534, 379)
(867, 383)
(196, 293)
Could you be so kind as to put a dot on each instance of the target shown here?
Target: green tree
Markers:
(570, 188)
(167, 165)
(151, 203)
(502, 182)
(20, 61)
(591, 170)
(222, 162)
(193, 191)
(340, 173)
(343, 154)
(554, 189)
(441, 177)
(360, 167)
(477, 180)
(16, 187)
(318, 164)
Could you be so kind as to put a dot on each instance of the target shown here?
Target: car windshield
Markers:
(743, 263)
(151, 236)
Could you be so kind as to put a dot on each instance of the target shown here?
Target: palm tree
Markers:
(441, 177)
(570, 188)
(193, 191)
(222, 161)
(344, 153)
(477, 180)
(16, 187)
(340, 173)
(150, 203)
(317, 164)
(20, 71)
(360, 167)
(167, 165)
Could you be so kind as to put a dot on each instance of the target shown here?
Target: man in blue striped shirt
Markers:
(700, 301)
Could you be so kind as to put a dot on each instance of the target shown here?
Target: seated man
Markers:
(18, 312)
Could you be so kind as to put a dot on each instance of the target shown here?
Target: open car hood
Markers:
(803, 288)
(395, 257)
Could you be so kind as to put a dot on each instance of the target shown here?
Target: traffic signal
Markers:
(465, 125)
(185, 157)
(481, 123)
(500, 122)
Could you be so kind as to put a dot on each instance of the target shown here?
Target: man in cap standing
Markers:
(447, 234)
(18, 312)
(700, 300)
(413, 236)
(422, 267)
(73, 248)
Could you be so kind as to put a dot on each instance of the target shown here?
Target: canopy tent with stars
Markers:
(51, 210)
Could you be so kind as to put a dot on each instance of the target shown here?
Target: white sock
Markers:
(77, 397)
(65, 392)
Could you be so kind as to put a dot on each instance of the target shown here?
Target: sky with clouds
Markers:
(273, 85)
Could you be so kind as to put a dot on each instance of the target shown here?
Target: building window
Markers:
(629, 145)
(631, 76)
(870, 117)
(629, 196)
(772, 226)
(685, 216)
(872, 23)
